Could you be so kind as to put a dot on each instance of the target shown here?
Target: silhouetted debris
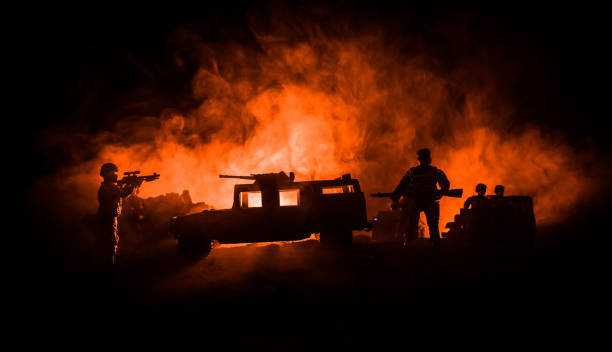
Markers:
(146, 220)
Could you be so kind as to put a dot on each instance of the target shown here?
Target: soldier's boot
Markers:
(435, 246)
(408, 239)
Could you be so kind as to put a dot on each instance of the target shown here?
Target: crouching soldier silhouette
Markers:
(110, 197)
(420, 192)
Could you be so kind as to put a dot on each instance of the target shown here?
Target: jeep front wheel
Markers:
(194, 247)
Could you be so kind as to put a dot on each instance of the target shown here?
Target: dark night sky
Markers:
(89, 65)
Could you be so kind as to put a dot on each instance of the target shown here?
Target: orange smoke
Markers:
(324, 107)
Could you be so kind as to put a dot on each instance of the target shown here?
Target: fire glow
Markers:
(324, 107)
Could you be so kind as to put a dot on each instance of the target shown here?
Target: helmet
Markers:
(108, 167)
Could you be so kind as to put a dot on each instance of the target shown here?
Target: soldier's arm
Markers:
(442, 180)
(467, 203)
(401, 187)
(126, 190)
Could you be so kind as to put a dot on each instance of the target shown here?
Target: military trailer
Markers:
(504, 221)
(276, 208)
(386, 226)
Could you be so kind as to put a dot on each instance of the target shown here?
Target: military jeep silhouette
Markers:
(276, 208)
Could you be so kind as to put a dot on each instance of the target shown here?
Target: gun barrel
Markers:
(239, 177)
(455, 193)
(381, 195)
(153, 177)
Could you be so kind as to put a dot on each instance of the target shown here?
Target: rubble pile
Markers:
(145, 220)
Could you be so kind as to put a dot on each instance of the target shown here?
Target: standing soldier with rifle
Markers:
(110, 196)
(418, 187)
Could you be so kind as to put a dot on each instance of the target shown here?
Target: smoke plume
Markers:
(323, 101)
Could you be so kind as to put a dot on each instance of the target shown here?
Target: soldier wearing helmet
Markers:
(110, 197)
(419, 186)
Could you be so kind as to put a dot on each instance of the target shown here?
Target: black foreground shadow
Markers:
(292, 294)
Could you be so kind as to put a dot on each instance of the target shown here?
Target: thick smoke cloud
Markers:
(322, 101)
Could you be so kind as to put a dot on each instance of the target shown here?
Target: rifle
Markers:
(131, 178)
(455, 193)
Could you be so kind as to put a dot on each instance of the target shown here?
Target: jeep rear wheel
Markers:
(337, 238)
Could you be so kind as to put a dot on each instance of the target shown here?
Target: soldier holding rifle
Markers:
(110, 196)
(419, 192)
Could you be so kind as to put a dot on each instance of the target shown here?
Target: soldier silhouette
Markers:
(110, 197)
(420, 192)
(498, 199)
(499, 191)
(479, 199)
(480, 206)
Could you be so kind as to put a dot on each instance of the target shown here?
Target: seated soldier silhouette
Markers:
(479, 200)
(498, 199)
(479, 206)
(499, 191)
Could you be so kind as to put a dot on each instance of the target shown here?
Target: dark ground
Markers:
(292, 295)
